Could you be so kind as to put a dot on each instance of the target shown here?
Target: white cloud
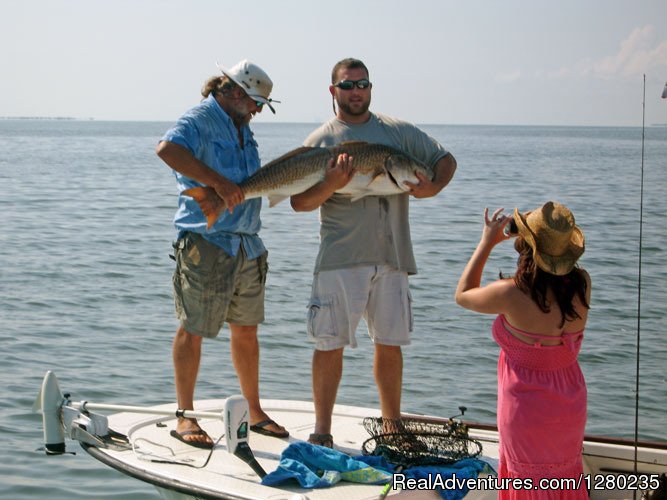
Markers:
(634, 57)
(559, 73)
(510, 77)
(637, 54)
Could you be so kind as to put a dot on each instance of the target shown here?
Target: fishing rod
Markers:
(639, 284)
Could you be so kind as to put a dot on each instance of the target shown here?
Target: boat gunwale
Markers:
(591, 438)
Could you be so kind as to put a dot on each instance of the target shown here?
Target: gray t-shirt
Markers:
(373, 230)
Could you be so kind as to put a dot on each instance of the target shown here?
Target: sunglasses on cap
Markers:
(260, 104)
(350, 84)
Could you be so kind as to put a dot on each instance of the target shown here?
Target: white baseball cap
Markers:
(252, 79)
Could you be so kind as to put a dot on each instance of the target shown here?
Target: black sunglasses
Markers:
(350, 84)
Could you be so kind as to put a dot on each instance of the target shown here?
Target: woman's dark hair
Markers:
(217, 85)
(535, 282)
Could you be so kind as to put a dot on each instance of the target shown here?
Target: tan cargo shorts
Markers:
(211, 286)
(339, 299)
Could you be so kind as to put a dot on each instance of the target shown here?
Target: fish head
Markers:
(400, 168)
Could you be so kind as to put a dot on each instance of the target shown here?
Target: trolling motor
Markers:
(49, 402)
(236, 435)
(61, 417)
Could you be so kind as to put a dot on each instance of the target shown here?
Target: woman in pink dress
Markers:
(541, 315)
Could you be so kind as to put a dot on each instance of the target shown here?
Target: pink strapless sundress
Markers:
(541, 411)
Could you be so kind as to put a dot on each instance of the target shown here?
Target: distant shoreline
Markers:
(72, 118)
(44, 118)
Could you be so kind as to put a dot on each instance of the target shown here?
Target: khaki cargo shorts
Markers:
(211, 286)
(340, 298)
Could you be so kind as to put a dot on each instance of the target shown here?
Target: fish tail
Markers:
(209, 202)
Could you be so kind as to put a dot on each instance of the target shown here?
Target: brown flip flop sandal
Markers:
(325, 440)
(261, 428)
(197, 444)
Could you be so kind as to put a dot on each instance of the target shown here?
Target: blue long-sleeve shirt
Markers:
(210, 135)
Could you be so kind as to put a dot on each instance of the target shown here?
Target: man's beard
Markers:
(240, 115)
(354, 111)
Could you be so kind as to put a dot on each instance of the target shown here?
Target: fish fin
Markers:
(209, 202)
(361, 194)
(290, 154)
(274, 199)
(377, 178)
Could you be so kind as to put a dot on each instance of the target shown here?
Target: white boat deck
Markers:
(226, 476)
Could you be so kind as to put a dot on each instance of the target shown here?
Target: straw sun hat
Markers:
(550, 231)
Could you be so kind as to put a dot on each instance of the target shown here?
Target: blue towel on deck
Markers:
(468, 468)
(319, 467)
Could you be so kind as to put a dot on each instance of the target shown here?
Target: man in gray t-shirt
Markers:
(365, 253)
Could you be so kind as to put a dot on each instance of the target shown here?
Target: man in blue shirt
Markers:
(220, 271)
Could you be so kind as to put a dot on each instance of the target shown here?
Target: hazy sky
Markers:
(542, 62)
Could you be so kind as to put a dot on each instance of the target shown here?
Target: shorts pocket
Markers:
(321, 318)
(263, 264)
(411, 320)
